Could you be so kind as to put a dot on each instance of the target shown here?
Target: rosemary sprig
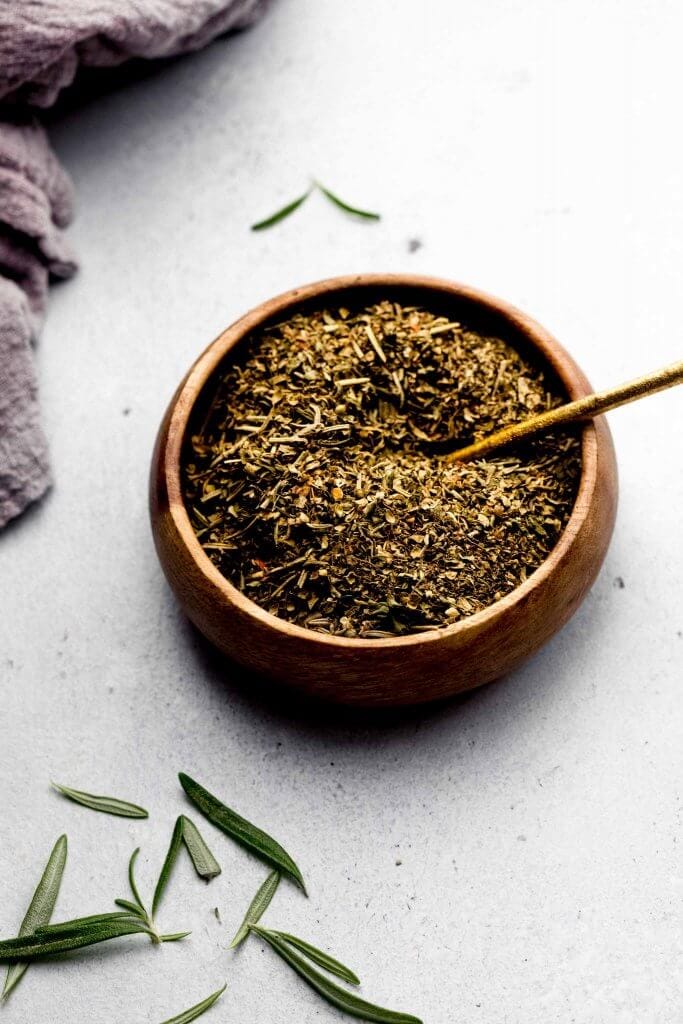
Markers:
(289, 208)
(40, 908)
(241, 830)
(106, 804)
(196, 1011)
(257, 907)
(136, 908)
(339, 997)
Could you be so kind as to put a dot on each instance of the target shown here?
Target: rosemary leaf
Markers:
(131, 879)
(240, 829)
(257, 907)
(167, 866)
(320, 958)
(40, 908)
(132, 908)
(280, 214)
(335, 995)
(78, 924)
(205, 864)
(174, 936)
(196, 1011)
(33, 947)
(367, 214)
(107, 804)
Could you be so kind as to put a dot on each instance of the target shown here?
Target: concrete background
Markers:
(534, 150)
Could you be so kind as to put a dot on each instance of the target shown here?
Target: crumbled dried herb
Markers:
(311, 484)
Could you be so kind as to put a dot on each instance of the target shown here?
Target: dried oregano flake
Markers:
(312, 482)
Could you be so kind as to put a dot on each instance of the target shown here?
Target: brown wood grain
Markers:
(402, 670)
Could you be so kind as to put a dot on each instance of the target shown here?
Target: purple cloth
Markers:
(42, 45)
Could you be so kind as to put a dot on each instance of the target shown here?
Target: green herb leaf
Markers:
(196, 1011)
(205, 864)
(279, 215)
(319, 957)
(257, 907)
(367, 214)
(106, 804)
(167, 866)
(33, 947)
(131, 879)
(335, 995)
(78, 924)
(132, 908)
(174, 936)
(138, 908)
(41, 906)
(240, 829)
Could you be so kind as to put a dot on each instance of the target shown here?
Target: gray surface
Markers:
(538, 824)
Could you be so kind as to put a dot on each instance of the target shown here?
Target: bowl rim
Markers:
(189, 391)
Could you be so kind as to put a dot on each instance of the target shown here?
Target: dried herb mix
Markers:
(312, 482)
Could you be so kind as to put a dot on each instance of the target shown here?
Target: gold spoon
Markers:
(582, 409)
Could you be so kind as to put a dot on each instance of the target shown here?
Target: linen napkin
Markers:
(43, 43)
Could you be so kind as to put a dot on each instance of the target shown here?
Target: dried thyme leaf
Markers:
(319, 957)
(257, 907)
(106, 804)
(34, 947)
(241, 830)
(195, 1011)
(205, 864)
(367, 214)
(40, 908)
(285, 211)
(335, 995)
(311, 483)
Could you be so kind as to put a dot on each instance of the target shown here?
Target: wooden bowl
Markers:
(407, 669)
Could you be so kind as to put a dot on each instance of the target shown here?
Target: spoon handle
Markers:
(581, 409)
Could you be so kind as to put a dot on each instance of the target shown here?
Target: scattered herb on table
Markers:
(205, 864)
(69, 935)
(346, 207)
(39, 940)
(280, 214)
(290, 207)
(241, 830)
(196, 1011)
(311, 482)
(318, 957)
(137, 908)
(257, 907)
(333, 993)
(40, 908)
(106, 804)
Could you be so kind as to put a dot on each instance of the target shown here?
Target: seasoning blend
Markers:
(311, 479)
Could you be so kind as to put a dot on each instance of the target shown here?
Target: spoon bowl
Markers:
(401, 670)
